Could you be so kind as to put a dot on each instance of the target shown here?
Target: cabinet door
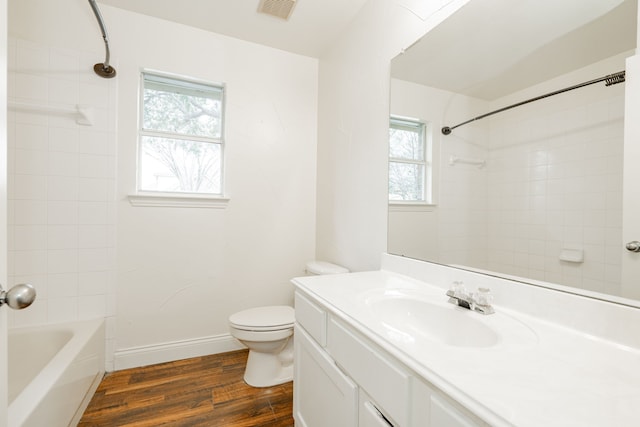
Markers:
(322, 395)
(382, 378)
(371, 417)
(444, 414)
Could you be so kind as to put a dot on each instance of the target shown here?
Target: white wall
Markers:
(353, 128)
(182, 271)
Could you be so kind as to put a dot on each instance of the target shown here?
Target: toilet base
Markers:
(269, 369)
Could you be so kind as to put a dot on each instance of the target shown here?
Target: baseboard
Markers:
(159, 353)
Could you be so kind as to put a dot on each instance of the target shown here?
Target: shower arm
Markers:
(611, 79)
(103, 70)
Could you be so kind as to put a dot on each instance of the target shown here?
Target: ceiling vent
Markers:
(280, 8)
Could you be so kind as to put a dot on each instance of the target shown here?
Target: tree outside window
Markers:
(181, 136)
(408, 164)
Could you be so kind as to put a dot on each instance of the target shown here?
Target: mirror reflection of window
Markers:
(409, 161)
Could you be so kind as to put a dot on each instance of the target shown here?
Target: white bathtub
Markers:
(53, 372)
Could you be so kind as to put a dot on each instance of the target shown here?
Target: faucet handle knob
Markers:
(458, 288)
(483, 297)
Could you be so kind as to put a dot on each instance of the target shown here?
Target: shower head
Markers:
(102, 69)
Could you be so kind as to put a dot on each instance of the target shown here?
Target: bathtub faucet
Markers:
(479, 301)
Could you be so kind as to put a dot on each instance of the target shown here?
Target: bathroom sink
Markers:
(409, 319)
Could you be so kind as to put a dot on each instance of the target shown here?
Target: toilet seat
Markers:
(269, 318)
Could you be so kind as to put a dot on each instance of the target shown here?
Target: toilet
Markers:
(268, 333)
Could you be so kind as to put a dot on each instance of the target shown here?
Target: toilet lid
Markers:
(264, 318)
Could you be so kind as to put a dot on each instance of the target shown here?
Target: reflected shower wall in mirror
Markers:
(533, 192)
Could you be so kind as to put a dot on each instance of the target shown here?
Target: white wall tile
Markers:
(30, 237)
(63, 92)
(63, 163)
(62, 236)
(62, 188)
(62, 309)
(63, 139)
(62, 261)
(94, 142)
(92, 213)
(64, 63)
(29, 212)
(94, 283)
(30, 162)
(94, 166)
(62, 212)
(95, 95)
(92, 236)
(31, 58)
(93, 189)
(31, 137)
(93, 259)
(63, 285)
(30, 187)
(30, 88)
(26, 263)
(92, 306)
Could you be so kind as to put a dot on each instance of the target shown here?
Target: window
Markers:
(409, 162)
(181, 141)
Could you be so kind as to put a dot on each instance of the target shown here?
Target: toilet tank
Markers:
(322, 267)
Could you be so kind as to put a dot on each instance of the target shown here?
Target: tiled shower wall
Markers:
(555, 180)
(61, 186)
(462, 220)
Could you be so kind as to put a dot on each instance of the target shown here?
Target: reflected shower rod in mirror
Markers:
(610, 79)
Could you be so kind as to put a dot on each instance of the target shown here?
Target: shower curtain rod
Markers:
(610, 79)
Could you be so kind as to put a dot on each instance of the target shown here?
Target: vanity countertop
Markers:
(538, 373)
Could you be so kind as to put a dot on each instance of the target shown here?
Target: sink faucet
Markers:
(479, 301)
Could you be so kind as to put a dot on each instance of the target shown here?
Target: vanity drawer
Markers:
(382, 379)
(312, 318)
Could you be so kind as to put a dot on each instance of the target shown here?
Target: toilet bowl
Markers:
(268, 333)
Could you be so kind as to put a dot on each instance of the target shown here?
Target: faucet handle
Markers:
(458, 288)
(483, 297)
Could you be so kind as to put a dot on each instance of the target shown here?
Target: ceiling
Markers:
(312, 27)
(491, 48)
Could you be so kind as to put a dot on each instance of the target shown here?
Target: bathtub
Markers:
(53, 372)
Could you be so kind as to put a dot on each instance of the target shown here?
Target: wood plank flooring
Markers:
(203, 391)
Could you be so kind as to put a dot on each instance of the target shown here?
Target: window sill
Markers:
(172, 200)
(411, 207)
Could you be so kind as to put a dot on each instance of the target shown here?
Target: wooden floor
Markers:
(203, 391)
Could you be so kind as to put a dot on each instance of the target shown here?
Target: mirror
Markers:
(534, 192)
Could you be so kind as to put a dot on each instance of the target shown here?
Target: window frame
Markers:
(145, 197)
(407, 123)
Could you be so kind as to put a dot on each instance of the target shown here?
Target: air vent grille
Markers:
(280, 8)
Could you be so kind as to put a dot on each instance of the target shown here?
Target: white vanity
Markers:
(386, 348)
